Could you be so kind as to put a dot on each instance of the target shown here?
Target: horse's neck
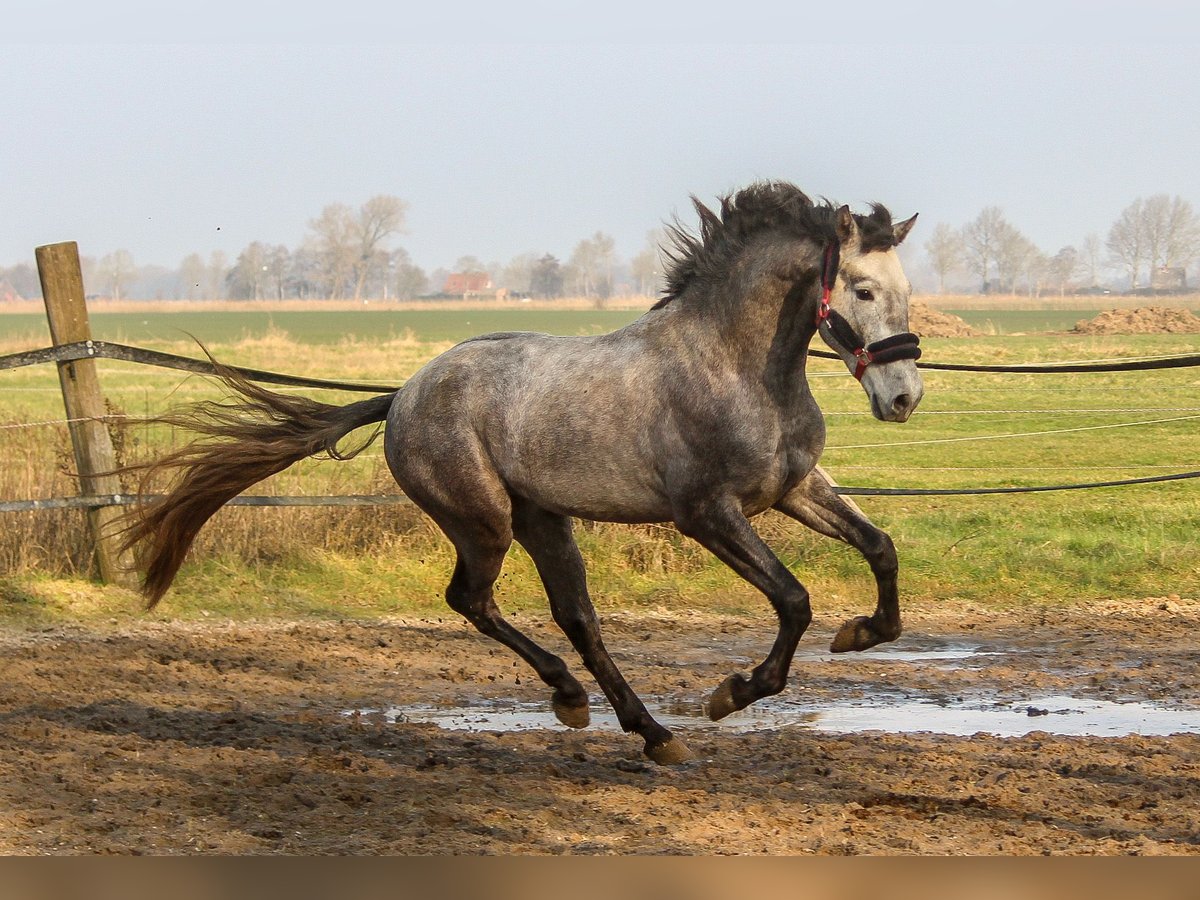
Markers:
(767, 328)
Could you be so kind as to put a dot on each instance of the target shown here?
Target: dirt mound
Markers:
(1144, 320)
(929, 322)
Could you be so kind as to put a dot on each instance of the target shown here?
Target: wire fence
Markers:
(94, 349)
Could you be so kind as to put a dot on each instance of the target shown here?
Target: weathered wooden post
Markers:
(62, 291)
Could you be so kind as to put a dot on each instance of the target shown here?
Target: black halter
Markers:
(889, 349)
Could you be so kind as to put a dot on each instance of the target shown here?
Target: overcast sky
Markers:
(530, 127)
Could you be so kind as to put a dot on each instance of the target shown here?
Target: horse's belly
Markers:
(596, 493)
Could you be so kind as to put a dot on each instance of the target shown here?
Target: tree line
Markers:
(350, 253)
(1150, 244)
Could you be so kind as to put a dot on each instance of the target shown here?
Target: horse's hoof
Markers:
(672, 752)
(572, 716)
(721, 703)
(856, 634)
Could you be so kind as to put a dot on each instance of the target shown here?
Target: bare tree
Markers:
(1015, 256)
(214, 282)
(1172, 231)
(335, 248)
(648, 266)
(1061, 268)
(591, 266)
(1089, 259)
(946, 253)
(191, 274)
(407, 280)
(247, 279)
(518, 273)
(546, 278)
(378, 219)
(470, 265)
(115, 270)
(1127, 240)
(277, 261)
(981, 241)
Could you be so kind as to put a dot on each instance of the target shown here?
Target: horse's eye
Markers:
(864, 294)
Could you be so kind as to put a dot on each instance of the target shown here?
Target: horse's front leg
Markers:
(815, 503)
(721, 527)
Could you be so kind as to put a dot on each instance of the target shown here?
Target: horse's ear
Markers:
(901, 229)
(844, 225)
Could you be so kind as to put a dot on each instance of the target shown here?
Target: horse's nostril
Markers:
(902, 405)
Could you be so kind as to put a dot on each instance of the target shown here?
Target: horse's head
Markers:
(866, 317)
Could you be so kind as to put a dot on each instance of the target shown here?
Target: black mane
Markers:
(764, 206)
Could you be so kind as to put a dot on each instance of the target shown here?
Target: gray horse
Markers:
(698, 413)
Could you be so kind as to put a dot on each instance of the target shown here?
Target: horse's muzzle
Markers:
(895, 406)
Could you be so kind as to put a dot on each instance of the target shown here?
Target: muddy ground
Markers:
(163, 737)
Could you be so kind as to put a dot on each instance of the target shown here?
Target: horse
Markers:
(698, 413)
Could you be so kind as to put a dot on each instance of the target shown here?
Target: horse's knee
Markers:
(880, 552)
(795, 610)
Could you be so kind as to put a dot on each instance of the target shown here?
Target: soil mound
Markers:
(929, 322)
(1144, 320)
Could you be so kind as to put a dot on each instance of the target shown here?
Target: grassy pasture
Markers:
(972, 430)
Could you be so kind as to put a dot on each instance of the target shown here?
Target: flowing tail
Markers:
(250, 437)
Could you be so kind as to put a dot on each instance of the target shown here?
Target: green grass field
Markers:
(971, 430)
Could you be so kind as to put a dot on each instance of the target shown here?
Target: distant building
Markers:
(468, 283)
(1169, 278)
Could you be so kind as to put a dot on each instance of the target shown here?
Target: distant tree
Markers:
(247, 279)
(407, 280)
(590, 267)
(517, 274)
(378, 219)
(335, 248)
(981, 241)
(303, 279)
(470, 265)
(214, 281)
(116, 270)
(1089, 259)
(546, 278)
(278, 260)
(1172, 231)
(191, 275)
(1127, 240)
(647, 266)
(24, 280)
(946, 253)
(1016, 256)
(1061, 268)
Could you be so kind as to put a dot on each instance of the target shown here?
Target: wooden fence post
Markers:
(62, 291)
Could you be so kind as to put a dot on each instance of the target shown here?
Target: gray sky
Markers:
(531, 127)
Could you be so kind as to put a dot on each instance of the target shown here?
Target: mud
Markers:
(319, 737)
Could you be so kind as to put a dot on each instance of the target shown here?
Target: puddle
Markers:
(1055, 714)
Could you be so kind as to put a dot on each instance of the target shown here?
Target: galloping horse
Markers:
(698, 413)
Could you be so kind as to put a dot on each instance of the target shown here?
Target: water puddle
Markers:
(1055, 714)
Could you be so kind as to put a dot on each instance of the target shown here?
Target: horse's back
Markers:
(568, 422)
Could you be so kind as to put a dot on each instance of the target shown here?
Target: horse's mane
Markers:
(764, 206)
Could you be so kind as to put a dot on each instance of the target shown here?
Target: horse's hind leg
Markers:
(817, 504)
(548, 539)
(481, 550)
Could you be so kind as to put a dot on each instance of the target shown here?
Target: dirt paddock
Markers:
(265, 738)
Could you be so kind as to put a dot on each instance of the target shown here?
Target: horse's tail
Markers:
(247, 438)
